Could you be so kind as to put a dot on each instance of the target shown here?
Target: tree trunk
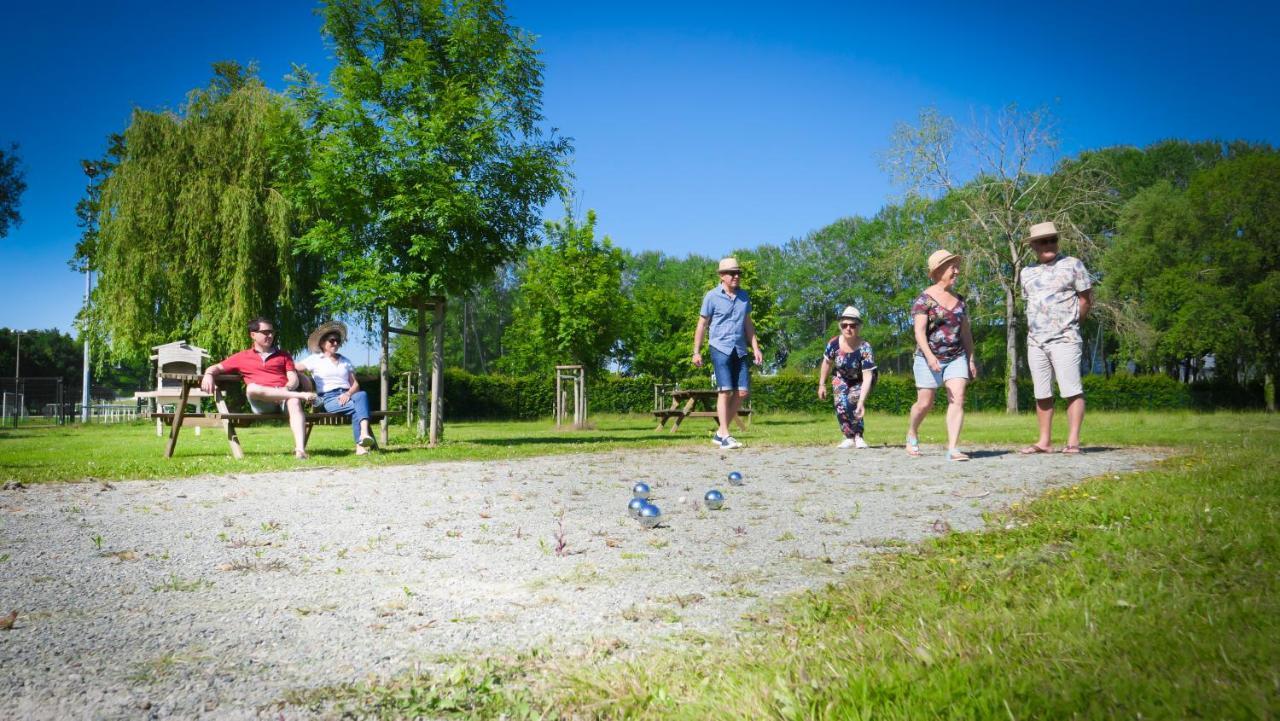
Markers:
(437, 372)
(1269, 390)
(1011, 348)
(423, 374)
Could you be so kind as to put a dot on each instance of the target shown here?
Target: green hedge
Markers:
(471, 397)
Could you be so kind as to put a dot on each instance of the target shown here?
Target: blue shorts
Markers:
(926, 378)
(731, 371)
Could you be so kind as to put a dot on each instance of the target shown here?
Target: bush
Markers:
(474, 397)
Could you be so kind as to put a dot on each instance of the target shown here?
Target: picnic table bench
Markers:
(230, 420)
(693, 404)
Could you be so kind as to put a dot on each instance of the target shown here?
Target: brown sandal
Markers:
(1033, 449)
(1070, 450)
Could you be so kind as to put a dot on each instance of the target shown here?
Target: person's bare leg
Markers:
(1044, 416)
(298, 424)
(955, 410)
(920, 409)
(1075, 418)
(723, 401)
(735, 404)
(275, 394)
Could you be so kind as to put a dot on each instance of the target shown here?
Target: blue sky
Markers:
(698, 127)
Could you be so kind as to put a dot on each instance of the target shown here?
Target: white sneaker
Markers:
(859, 443)
(730, 442)
(846, 443)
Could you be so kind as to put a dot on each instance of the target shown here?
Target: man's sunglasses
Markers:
(333, 339)
(267, 331)
(734, 273)
(850, 325)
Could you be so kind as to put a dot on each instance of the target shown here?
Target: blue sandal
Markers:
(913, 446)
(955, 454)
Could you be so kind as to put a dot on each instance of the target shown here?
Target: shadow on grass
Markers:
(655, 439)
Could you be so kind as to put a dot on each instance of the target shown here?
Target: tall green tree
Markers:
(430, 165)
(12, 185)
(570, 308)
(1196, 272)
(999, 177)
(665, 294)
(194, 237)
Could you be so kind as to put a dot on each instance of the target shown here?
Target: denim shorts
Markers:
(957, 367)
(731, 371)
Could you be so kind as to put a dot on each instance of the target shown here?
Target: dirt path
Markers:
(214, 596)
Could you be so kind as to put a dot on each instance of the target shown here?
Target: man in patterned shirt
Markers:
(1059, 294)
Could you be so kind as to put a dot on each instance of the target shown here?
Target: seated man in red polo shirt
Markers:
(270, 379)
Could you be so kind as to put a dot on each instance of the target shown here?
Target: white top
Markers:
(328, 374)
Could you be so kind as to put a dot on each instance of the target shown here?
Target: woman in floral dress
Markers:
(855, 371)
(944, 352)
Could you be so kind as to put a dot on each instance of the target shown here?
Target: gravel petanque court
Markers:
(215, 597)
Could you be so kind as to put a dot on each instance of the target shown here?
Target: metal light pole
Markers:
(17, 359)
(90, 170)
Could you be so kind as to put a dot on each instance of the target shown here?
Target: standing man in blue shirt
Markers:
(726, 311)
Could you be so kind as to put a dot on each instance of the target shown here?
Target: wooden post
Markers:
(385, 374)
(437, 371)
(423, 411)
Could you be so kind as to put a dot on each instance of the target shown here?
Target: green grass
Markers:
(133, 451)
(1149, 595)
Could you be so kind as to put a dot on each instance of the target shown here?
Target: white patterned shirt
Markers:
(1052, 292)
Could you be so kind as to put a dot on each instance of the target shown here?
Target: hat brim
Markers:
(333, 326)
(1042, 236)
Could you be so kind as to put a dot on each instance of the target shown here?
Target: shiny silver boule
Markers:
(650, 515)
(735, 478)
(640, 490)
(714, 499)
(634, 506)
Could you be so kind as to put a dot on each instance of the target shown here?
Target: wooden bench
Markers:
(230, 420)
(692, 404)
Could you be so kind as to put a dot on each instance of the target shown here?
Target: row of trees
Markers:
(419, 171)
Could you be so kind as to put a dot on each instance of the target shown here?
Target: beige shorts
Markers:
(1055, 359)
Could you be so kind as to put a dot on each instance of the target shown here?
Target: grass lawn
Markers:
(1150, 595)
(133, 451)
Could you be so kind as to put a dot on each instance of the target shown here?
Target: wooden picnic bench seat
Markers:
(231, 420)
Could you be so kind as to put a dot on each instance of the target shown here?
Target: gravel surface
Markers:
(214, 597)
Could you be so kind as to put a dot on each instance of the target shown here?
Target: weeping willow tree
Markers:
(195, 228)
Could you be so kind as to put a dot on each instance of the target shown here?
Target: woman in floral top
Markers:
(944, 352)
(855, 368)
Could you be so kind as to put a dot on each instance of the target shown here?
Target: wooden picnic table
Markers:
(693, 404)
(229, 420)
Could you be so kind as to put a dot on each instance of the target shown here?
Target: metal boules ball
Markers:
(640, 490)
(714, 499)
(735, 478)
(650, 515)
(634, 507)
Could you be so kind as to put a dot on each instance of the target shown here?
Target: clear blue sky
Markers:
(699, 127)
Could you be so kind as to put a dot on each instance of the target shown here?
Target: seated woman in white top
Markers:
(337, 390)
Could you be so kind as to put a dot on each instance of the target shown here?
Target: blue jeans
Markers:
(357, 407)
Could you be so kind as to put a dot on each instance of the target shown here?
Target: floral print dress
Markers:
(846, 380)
(942, 329)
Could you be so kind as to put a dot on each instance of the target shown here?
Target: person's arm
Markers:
(823, 372)
(697, 340)
(206, 381)
(352, 387)
(921, 322)
(750, 329)
(1086, 302)
(291, 379)
(966, 337)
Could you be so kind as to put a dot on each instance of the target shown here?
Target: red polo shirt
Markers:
(269, 372)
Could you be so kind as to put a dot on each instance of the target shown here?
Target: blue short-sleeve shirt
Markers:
(726, 320)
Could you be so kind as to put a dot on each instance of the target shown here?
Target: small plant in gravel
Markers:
(177, 583)
(786, 536)
(96, 539)
(562, 541)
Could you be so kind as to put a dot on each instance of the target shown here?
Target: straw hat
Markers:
(333, 326)
(727, 264)
(1040, 231)
(850, 312)
(939, 259)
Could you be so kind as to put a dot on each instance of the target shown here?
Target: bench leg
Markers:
(176, 426)
(234, 441)
(306, 435)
